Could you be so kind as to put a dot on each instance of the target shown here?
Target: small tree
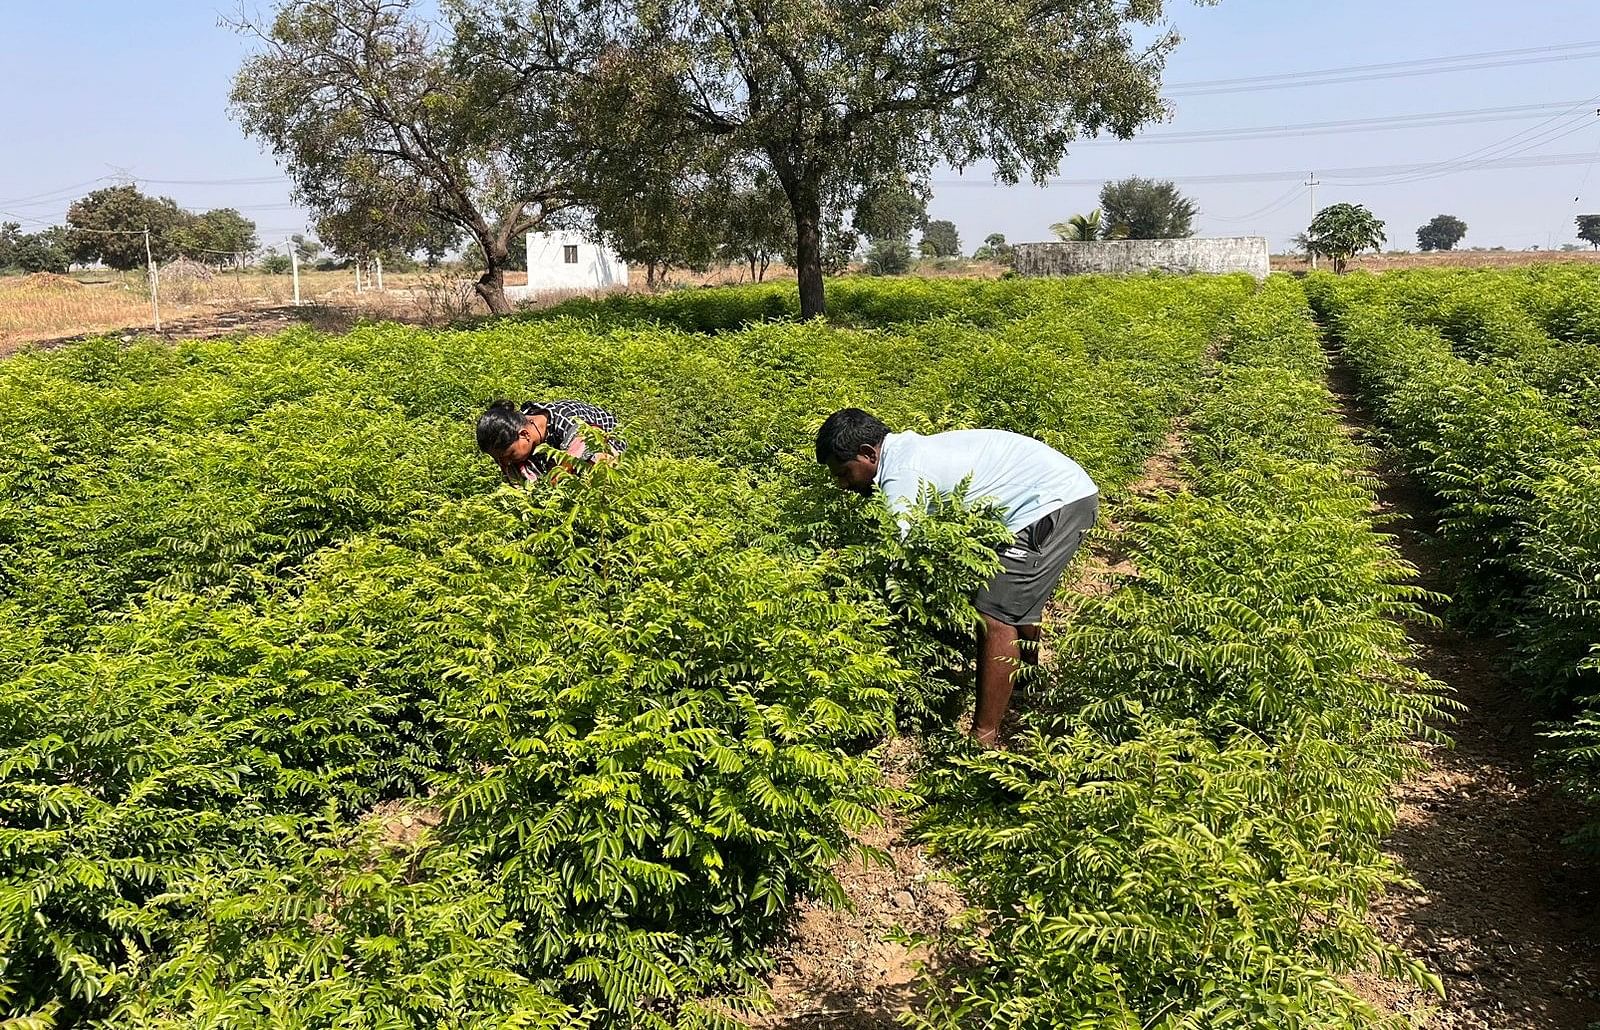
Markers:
(940, 239)
(1589, 230)
(996, 249)
(1083, 228)
(305, 247)
(1145, 209)
(394, 135)
(10, 233)
(758, 228)
(1342, 231)
(1442, 232)
(41, 251)
(276, 264)
(889, 257)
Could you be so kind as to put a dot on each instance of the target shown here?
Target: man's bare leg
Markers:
(998, 659)
(1030, 645)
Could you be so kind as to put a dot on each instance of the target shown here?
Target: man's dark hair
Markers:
(845, 432)
(499, 426)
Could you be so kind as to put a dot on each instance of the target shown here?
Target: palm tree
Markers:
(1080, 228)
(1087, 228)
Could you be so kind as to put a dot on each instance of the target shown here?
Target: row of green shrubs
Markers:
(1189, 830)
(1516, 485)
(309, 723)
(1538, 327)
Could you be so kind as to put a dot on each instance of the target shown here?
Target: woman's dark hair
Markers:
(499, 426)
(845, 432)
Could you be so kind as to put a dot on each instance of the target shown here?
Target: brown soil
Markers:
(48, 282)
(1505, 913)
(836, 969)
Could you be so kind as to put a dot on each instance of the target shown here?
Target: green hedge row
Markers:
(308, 722)
(1517, 488)
(1189, 832)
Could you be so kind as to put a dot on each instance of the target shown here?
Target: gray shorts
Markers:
(1033, 563)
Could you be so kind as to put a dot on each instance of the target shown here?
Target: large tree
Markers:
(1342, 231)
(220, 236)
(1146, 209)
(1442, 232)
(832, 97)
(397, 127)
(940, 239)
(1589, 230)
(108, 226)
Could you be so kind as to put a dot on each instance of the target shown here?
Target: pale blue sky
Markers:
(98, 87)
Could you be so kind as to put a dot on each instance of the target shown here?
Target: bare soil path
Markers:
(1506, 913)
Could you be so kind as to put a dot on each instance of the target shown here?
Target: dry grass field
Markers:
(42, 307)
(1446, 259)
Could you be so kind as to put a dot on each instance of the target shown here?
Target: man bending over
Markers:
(1045, 497)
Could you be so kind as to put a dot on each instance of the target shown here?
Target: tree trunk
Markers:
(808, 250)
(491, 286)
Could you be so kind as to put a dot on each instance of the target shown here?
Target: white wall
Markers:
(597, 266)
(1124, 257)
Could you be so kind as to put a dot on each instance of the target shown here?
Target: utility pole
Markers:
(155, 280)
(294, 266)
(1313, 183)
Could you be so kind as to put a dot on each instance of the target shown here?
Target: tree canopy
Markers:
(108, 225)
(835, 98)
(1589, 230)
(940, 239)
(1442, 232)
(1086, 228)
(1342, 231)
(1147, 209)
(398, 129)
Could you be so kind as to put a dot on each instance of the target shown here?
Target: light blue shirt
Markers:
(1025, 478)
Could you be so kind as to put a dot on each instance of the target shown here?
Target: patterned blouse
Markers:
(565, 417)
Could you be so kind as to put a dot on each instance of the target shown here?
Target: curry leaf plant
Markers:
(1461, 385)
(1188, 832)
(311, 722)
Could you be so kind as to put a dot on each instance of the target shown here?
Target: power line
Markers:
(1368, 172)
(1272, 207)
(1400, 70)
(1560, 127)
(1391, 65)
(1403, 121)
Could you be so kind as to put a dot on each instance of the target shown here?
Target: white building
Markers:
(568, 261)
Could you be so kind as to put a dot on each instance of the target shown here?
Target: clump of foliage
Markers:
(1487, 413)
(1190, 829)
(1342, 231)
(1146, 209)
(264, 604)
